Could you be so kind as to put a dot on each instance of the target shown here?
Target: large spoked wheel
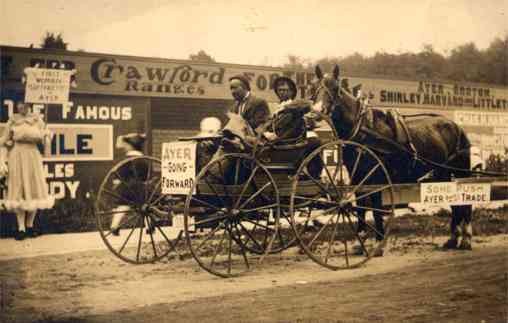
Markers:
(350, 195)
(238, 218)
(133, 217)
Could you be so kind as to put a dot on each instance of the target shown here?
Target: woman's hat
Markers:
(283, 79)
(136, 140)
(209, 126)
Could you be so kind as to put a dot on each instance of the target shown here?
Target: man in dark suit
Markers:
(253, 109)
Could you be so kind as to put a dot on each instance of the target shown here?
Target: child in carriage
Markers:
(132, 144)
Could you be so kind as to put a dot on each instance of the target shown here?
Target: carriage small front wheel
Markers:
(350, 194)
(132, 215)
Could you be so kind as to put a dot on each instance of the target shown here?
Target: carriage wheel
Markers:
(286, 237)
(239, 216)
(341, 237)
(133, 217)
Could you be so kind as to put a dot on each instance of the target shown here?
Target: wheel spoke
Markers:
(332, 181)
(218, 248)
(258, 224)
(237, 171)
(157, 187)
(369, 225)
(209, 236)
(369, 193)
(316, 200)
(264, 207)
(364, 179)
(355, 166)
(230, 243)
(323, 188)
(119, 197)
(344, 241)
(123, 182)
(242, 249)
(114, 212)
(126, 240)
(319, 232)
(370, 209)
(351, 225)
(213, 189)
(207, 220)
(149, 221)
(173, 246)
(148, 171)
(253, 196)
(332, 238)
(224, 186)
(245, 186)
(205, 203)
(141, 227)
(122, 223)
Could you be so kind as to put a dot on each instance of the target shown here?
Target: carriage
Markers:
(335, 202)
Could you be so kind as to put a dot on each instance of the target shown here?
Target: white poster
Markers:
(178, 162)
(49, 86)
(438, 193)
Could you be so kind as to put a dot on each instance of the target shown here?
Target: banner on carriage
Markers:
(178, 164)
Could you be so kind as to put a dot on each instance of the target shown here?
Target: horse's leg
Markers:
(379, 223)
(455, 233)
(361, 231)
(467, 228)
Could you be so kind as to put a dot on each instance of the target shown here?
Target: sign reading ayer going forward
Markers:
(454, 193)
(178, 165)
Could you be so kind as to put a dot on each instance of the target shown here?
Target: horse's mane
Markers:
(348, 98)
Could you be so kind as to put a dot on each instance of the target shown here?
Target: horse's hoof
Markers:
(450, 244)
(465, 246)
(357, 250)
(378, 252)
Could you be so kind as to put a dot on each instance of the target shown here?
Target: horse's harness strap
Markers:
(409, 138)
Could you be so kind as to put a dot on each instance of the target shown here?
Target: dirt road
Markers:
(414, 282)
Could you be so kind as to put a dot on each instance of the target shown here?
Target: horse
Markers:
(437, 141)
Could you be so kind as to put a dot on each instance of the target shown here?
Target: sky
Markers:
(261, 32)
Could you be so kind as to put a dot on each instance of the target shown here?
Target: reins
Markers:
(358, 128)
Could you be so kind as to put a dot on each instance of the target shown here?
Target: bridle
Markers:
(358, 118)
(331, 96)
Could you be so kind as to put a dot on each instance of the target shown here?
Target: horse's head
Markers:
(325, 90)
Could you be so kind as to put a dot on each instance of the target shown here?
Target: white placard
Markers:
(49, 86)
(473, 193)
(481, 118)
(178, 167)
(438, 193)
(454, 193)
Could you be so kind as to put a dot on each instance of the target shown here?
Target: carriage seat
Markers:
(288, 157)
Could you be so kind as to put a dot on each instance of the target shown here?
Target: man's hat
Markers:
(136, 140)
(283, 79)
(242, 79)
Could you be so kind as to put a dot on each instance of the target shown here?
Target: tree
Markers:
(496, 61)
(50, 41)
(295, 62)
(465, 64)
(202, 56)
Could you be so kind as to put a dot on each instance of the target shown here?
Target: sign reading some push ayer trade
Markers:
(454, 193)
(178, 167)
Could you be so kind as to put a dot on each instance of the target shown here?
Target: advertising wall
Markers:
(165, 98)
